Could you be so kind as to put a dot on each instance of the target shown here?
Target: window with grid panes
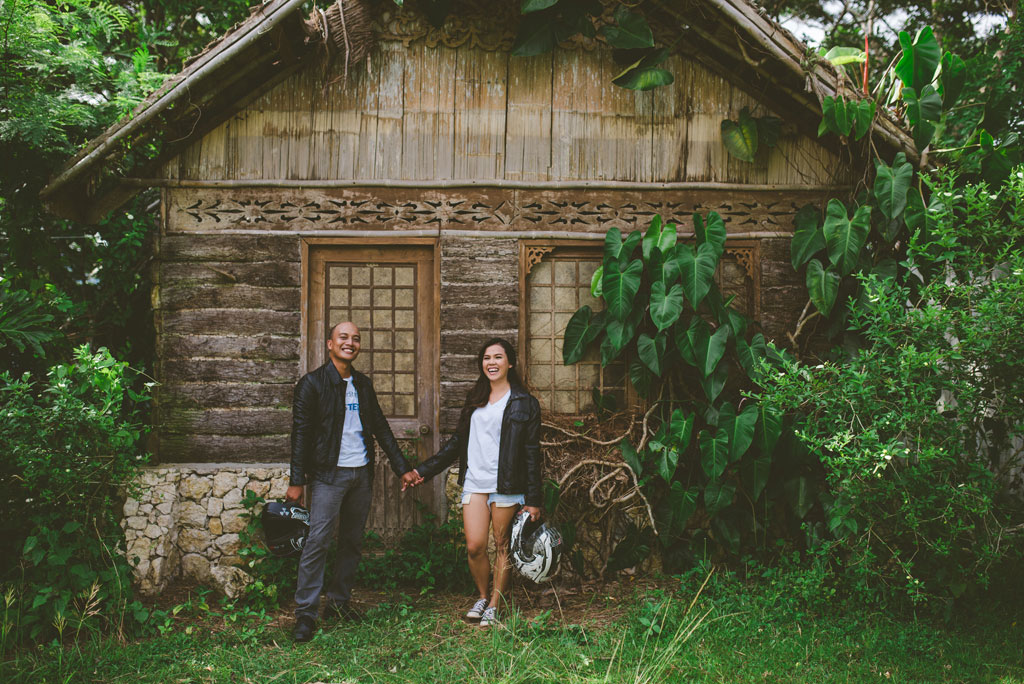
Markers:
(380, 298)
(560, 284)
(555, 288)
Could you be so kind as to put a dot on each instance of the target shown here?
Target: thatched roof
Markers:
(731, 37)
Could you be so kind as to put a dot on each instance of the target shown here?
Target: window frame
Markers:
(746, 251)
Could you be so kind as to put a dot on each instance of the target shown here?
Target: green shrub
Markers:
(915, 430)
(68, 449)
(431, 555)
(274, 577)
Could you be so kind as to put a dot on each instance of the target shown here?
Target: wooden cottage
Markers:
(437, 193)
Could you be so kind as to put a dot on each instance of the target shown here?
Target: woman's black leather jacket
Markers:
(519, 459)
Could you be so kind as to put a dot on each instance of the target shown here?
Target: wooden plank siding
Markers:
(429, 113)
(227, 318)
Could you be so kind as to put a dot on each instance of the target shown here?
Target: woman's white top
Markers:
(482, 449)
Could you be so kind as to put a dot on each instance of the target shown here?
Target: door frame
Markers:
(309, 243)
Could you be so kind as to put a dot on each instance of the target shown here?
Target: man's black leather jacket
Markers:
(318, 417)
(519, 459)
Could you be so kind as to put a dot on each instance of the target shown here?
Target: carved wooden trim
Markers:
(534, 255)
(405, 208)
(744, 257)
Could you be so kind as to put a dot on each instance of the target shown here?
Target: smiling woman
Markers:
(498, 447)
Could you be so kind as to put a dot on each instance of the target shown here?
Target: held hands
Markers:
(411, 479)
(534, 513)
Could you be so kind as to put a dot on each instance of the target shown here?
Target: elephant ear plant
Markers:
(707, 459)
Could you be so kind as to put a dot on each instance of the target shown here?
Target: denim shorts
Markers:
(499, 500)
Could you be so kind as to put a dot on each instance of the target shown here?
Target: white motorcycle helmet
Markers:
(536, 548)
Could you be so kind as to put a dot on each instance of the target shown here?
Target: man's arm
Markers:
(304, 405)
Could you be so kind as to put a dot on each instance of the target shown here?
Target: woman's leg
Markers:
(501, 524)
(476, 518)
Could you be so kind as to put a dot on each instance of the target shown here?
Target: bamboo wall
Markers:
(429, 113)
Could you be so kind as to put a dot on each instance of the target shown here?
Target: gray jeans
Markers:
(345, 495)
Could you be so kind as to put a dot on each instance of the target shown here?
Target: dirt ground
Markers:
(592, 603)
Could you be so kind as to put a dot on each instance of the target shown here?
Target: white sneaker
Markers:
(477, 610)
(490, 617)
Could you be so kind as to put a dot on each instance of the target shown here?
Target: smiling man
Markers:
(335, 420)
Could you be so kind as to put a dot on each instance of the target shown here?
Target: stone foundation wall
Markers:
(183, 521)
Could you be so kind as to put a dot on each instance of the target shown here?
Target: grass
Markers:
(667, 632)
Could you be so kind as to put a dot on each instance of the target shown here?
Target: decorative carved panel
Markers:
(205, 209)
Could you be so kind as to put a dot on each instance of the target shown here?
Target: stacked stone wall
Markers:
(184, 522)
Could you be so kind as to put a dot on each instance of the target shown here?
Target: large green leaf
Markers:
(739, 428)
(618, 334)
(737, 321)
(631, 457)
(800, 495)
(711, 232)
(644, 78)
(666, 461)
(846, 55)
(666, 306)
(537, 34)
(807, 238)
(837, 115)
(529, 6)
(923, 133)
(596, 289)
(684, 337)
(651, 237)
(714, 452)
(658, 236)
(951, 79)
(863, 116)
(709, 350)
(740, 137)
(822, 286)
(684, 505)
(769, 427)
(715, 383)
(697, 271)
(581, 330)
(845, 237)
(641, 377)
(629, 32)
(754, 473)
(619, 288)
(718, 496)
(751, 353)
(651, 351)
(663, 267)
(926, 107)
(891, 184)
(618, 249)
(919, 60)
(681, 429)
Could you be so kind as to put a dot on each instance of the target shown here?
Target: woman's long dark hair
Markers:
(481, 391)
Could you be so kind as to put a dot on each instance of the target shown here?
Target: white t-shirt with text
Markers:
(353, 448)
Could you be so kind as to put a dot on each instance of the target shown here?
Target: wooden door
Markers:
(390, 293)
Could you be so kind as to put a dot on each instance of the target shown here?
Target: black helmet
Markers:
(536, 547)
(285, 526)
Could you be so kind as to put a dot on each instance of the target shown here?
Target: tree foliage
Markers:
(68, 70)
